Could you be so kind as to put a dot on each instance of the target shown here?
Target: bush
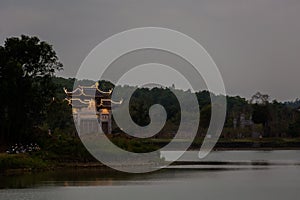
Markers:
(21, 161)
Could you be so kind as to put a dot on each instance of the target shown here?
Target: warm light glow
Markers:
(104, 112)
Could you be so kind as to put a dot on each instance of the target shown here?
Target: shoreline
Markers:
(257, 149)
(52, 166)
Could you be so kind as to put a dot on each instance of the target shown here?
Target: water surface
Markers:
(244, 175)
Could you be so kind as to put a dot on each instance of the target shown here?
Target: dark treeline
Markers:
(32, 101)
(26, 68)
(245, 118)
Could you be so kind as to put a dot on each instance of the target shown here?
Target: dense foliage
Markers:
(26, 67)
(271, 119)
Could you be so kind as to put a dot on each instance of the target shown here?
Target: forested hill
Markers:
(271, 119)
(293, 104)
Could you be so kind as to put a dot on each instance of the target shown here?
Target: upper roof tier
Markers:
(88, 91)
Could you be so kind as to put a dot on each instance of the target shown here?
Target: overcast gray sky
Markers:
(255, 44)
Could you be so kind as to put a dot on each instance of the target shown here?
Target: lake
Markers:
(226, 175)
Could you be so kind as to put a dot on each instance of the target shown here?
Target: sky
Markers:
(255, 44)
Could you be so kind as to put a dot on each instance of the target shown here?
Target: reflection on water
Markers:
(284, 156)
(81, 177)
(224, 175)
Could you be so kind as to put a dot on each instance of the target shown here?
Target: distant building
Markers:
(243, 123)
(91, 109)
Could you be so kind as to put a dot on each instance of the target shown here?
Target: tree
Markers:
(26, 67)
(59, 115)
(294, 126)
(205, 116)
(261, 111)
(259, 98)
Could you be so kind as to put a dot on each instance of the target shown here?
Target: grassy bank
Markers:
(68, 152)
(26, 162)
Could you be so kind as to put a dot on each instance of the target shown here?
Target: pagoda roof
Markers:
(87, 91)
(109, 101)
(82, 96)
(79, 103)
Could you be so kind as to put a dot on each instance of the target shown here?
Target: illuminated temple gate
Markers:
(91, 107)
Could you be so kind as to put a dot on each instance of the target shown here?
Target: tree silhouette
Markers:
(261, 111)
(26, 67)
